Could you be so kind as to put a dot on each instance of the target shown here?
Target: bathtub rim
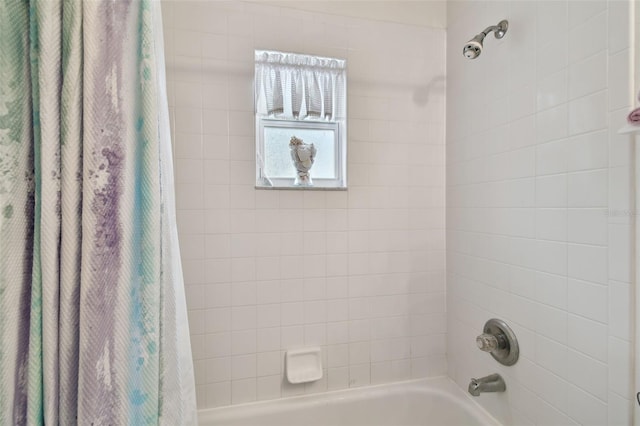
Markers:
(442, 385)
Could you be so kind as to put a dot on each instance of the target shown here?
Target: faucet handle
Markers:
(487, 342)
(500, 341)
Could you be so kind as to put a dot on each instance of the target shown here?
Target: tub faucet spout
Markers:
(491, 383)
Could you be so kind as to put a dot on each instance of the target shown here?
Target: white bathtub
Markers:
(436, 402)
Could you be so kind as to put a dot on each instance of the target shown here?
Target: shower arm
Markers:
(498, 30)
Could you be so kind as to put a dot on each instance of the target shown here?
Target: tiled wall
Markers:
(359, 272)
(538, 213)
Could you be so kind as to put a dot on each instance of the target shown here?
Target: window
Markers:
(300, 121)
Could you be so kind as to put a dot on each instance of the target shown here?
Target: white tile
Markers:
(589, 337)
(338, 355)
(214, 95)
(551, 224)
(550, 16)
(215, 146)
(268, 316)
(214, 46)
(243, 293)
(588, 263)
(552, 124)
(552, 388)
(588, 76)
(241, 123)
(338, 378)
(292, 314)
(620, 364)
(218, 295)
(219, 272)
(337, 310)
(217, 320)
(188, 145)
(243, 342)
(551, 191)
(196, 321)
(551, 355)
(552, 157)
(219, 370)
(268, 339)
(619, 410)
(552, 323)
(620, 93)
(588, 113)
(241, 49)
(337, 332)
(588, 374)
(552, 90)
(315, 312)
(581, 11)
(588, 189)
(522, 101)
(188, 120)
(381, 372)
(243, 366)
(620, 198)
(620, 308)
(588, 300)
(268, 292)
(268, 363)
(218, 394)
(551, 257)
(588, 151)
(187, 43)
(620, 243)
(359, 375)
(359, 353)
(267, 268)
(549, 415)
(620, 21)
(187, 94)
(552, 57)
(215, 122)
(551, 290)
(243, 269)
(190, 221)
(243, 391)
(268, 387)
(588, 226)
(583, 42)
(586, 409)
(217, 345)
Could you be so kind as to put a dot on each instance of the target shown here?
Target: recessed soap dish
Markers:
(303, 365)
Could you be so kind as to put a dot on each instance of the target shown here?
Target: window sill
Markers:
(302, 188)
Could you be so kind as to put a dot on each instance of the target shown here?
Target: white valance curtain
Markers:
(300, 87)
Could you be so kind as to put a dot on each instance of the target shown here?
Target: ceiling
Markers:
(428, 13)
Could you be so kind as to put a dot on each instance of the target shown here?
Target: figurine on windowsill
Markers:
(303, 155)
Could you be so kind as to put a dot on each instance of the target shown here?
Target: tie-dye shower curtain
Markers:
(93, 327)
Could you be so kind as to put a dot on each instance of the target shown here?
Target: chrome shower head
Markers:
(473, 48)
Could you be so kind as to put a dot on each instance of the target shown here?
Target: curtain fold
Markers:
(296, 86)
(92, 309)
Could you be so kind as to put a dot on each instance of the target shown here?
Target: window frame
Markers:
(265, 182)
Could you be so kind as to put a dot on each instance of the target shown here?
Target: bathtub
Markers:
(436, 402)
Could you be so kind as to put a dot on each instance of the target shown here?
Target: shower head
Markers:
(473, 48)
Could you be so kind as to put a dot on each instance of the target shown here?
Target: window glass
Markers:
(277, 158)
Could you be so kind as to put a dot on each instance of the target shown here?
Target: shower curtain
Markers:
(93, 327)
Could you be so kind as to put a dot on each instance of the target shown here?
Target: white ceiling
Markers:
(428, 13)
